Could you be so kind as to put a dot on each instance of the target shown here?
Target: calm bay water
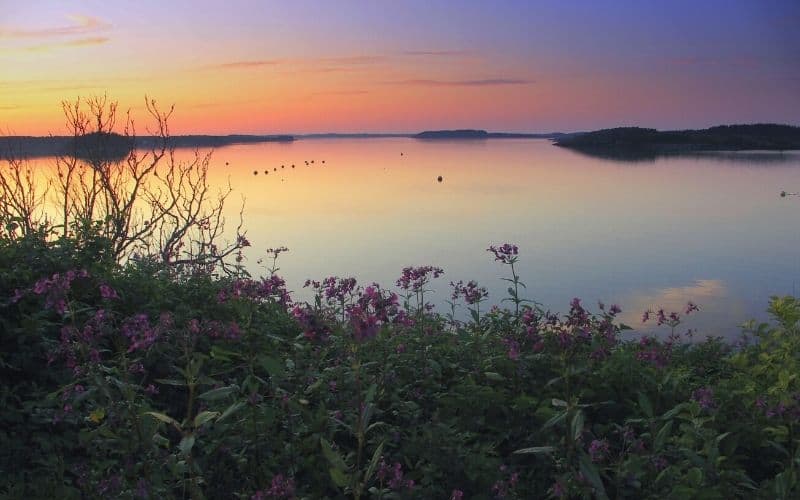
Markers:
(708, 228)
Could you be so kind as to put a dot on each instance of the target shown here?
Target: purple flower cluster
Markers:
(141, 334)
(705, 398)
(471, 292)
(654, 352)
(312, 321)
(782, 409)
(505, 253)
(414, 279)
(333, 289)
(577, 330)
(275, 252)
(54, 289)
(80, 347)
(373, 308)
(599, 450)
(457, 495)
(281, 487)
(513, 348)
(393, 476)
(214, 329)
(671, 319)
(271, 289)
(503, 487)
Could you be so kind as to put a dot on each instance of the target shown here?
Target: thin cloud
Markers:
(81, 25)
(246, 64)
(487, 82)
(437, 53)
(341, 92)
(358, 60)
(78, 42)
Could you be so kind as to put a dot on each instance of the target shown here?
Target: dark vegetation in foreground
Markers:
(139, 360)
(635, 142)
(148, 381)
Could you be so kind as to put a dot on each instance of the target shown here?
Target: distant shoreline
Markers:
(635, 142)
(31, 146)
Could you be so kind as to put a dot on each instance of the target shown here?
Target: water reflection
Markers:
(650, 156)
(710, 227)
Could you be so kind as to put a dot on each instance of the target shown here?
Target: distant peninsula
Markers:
(647, 142)
(481, 134)
(28, 146)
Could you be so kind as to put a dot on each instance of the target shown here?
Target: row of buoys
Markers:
(275, 169)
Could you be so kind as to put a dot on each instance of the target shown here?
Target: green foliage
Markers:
(147, 382)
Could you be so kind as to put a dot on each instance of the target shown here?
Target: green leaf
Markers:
(373, 463)
(695, 476)
(219, 393)
(494, 376)
(340, 479)
(186, 444)
(230, 410)
(166, 381)
(559, 402)
(313, 387)
(645, 405)
(334, 458)
(589, 471)
(371, 393)
(661, 435)
(369, 409)
(536, 450)
(203, 417)
(164, 418)
(272, 365)
(556, 419)
(577, 425)
(160, 440)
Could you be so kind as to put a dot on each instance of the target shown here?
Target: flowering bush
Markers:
(136, 381)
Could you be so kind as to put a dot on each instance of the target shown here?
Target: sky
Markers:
(403, 66)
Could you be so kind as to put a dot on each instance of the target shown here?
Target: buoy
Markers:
(439, 178)
(255, 172)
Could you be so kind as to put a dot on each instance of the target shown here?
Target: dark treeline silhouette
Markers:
(118, 145)
(643, 143)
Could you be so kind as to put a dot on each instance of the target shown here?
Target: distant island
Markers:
(481, 134)
(115, 145)
(635, 142)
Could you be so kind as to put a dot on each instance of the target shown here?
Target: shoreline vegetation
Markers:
(642, 143)
(622, 143)
(32, 146)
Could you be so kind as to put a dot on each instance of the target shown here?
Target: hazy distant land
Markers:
(482, 134)
(61, 145)
(621, 143)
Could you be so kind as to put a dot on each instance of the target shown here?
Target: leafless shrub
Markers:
(131, 191)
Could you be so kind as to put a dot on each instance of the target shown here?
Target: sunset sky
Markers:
(404, 66)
